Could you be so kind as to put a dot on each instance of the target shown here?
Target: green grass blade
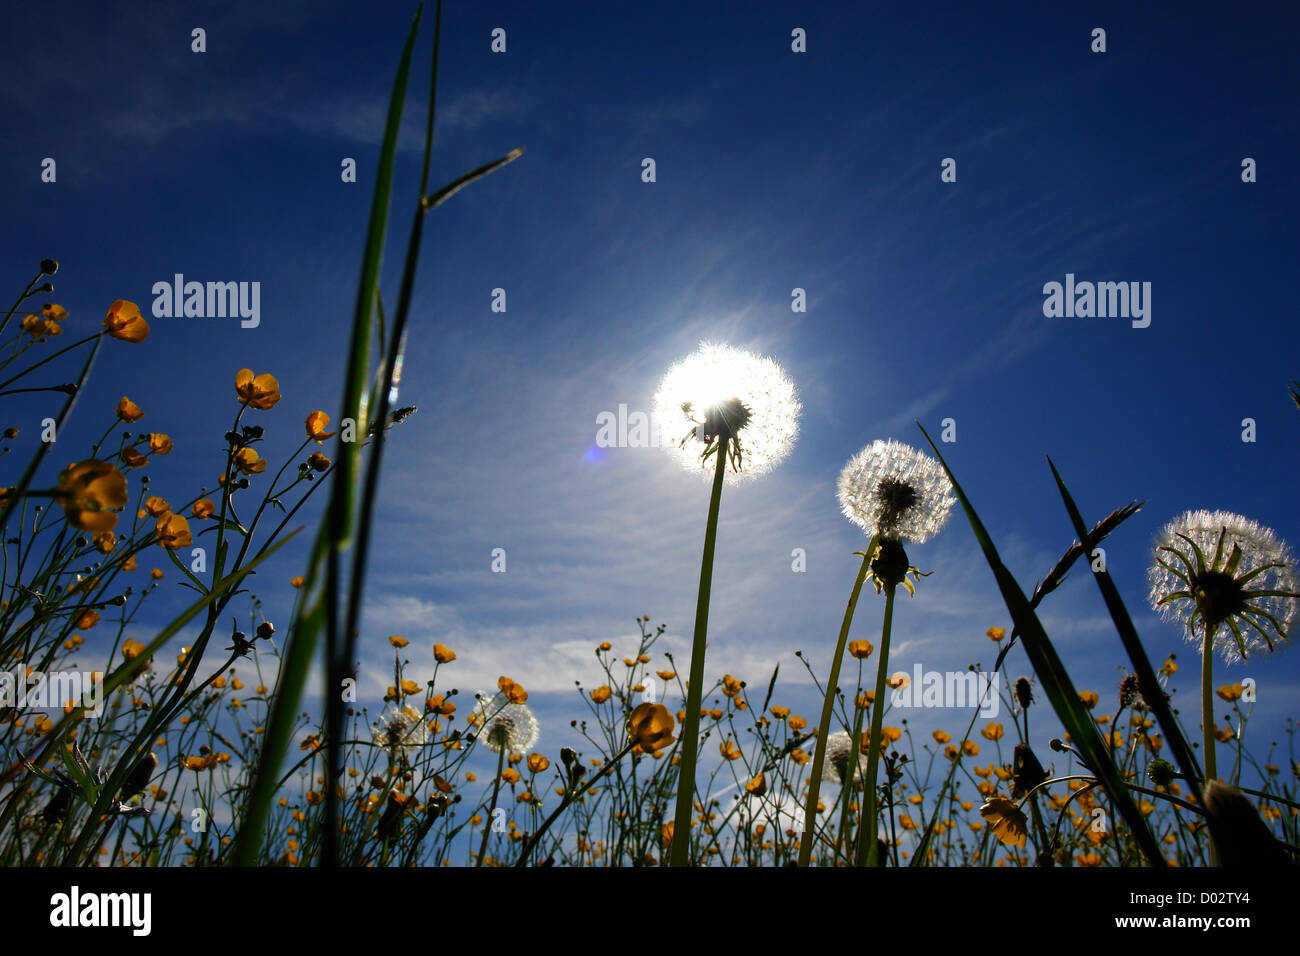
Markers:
(1056, 681)
(1155, 698)
(320, 611)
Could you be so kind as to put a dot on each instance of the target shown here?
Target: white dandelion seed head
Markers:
(716, 374)
(504, 726)
(836, 765)
(1266, 564)
(893, 490)
(400, 730)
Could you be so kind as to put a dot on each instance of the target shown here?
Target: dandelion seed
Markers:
(401, 730)
(1215, 568)
(503, 726)
(838, 750)
(729, 401)
(895, 491)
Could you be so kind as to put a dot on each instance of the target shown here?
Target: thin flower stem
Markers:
(867, 838)
(1207, 703)
(51, 358)
(695, 687)
(569, 796)
(496, 791)
(855, 743)
(824, 725)
(27, 291)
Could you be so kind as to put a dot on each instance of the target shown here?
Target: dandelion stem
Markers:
(496, 791)
(1207, 703)
(824, 725)
(867, 839)
(695, 687)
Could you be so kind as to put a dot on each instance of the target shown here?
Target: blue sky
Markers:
(775, 170)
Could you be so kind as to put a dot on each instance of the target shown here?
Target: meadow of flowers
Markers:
(189, 743)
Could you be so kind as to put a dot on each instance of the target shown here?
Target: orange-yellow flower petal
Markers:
(173, 532)
(316, 424)
(129, 411)
(90, 492)
(257, 391)
(650, 727)
(125, 322)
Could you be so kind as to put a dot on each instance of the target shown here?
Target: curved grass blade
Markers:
(324, 573)
(1056, 680)
(1155, 698)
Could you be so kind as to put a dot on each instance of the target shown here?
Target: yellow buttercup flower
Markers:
(203, 508)
(601, 694)
(443, 654)
(860, 649)
(129, 411)
(1007, 820)
(316, 424)
(133, 459)
(538, 763)
(125, 322)
(1230, 692)
(651, 727)
(515, 693)
(156, 507)
(159, 443)
(992, 732)
(90, 492)
(173, 532)
(248, 461)
(257, 391)
(397, 641)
